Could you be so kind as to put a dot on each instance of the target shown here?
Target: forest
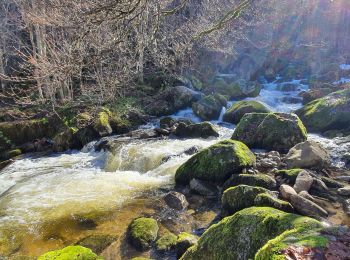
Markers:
(174, 129)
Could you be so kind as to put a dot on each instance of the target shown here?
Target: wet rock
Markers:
(216, 163)
(317, 93)
(308, 154)
(343, 178)
(192, 150)
(200, 130)
(266, 200)
(102, 123)
(143, 134)
(209, 108)
(287, 87)
(260, 180)
(292, 100)
(176, 200)
(143, 232)
(97, 243)
(331, 183)
(239, 197)
(239, 109)
(203, 188)
(287, 191)
(64, 140)
(307, 207)
(166, 242)
(184, 242)
(271, 131)
(168, 122)
(287, 176)
(319, 185)
(303, 182)
(306, 195)
(70, 252)
(344, 191)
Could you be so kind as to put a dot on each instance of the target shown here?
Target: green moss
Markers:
(266, 200)
(209, 107)
(142, 232)
(216, 163)
(166, 242)
(239, 197)
(185, 241)
(141, 258)
(260, 180)
(289, 176)
(239, 109)
(240, 236)
(70, 253)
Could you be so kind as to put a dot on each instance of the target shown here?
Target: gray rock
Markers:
(307, 207)
(343, 178)
(307, 195)
(176, 200)
(303, 182)
(319, 185)
(287, 191)
(346, 206)
(203, 188)
(201, 130)
(308, 154)
(344, 191)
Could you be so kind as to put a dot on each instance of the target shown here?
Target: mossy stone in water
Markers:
(143, 232)
(260, 180)
(70, 253)
(287, 176)
(166, 242)
(184, 242)
(97, 243)
(216, 163)
(209, 107)
(266, 200)
(141, 258)
(240, 236)
(239, 197)
(239, 109)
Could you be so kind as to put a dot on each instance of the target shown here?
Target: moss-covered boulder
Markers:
(200, 130)
(97, 243)
(166, 242)
(184, 242)
(331, 112)
(70, 253)
(266, 200)
(242, 235)
(239, 109)
(209, 107)
(143, 232)
(260, 180)
(239, 197)
(287, 176)
(216, 163)
(271, 131)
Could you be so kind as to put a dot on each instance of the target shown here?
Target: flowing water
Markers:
(53, 201)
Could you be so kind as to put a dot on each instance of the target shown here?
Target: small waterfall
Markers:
(221, 117)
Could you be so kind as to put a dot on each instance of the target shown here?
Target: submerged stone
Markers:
(166, 242)
(143, 232)
(97, 243)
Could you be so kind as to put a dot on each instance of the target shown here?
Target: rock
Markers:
(64, 140)
(143, 134)
(241, 236)
(143, 232)
(331, 183)
(176, 200)
(184, 242)
(239, 109)
(102, 123)
(216, 163)
(70, 252)
(97, 243)
(291, 100)
(203, 188)
(287, 87)
(319, 185)
(343, 178)
(141, 258)
(239, 197)
(271, 131)
(200, 130)
(303, 182)
(306, 195)
(266, 200)
(346, 205)
(307, 207)
(10, 154)
(328, 113)
(308, 154)
(260, 180)
(287, 176)
(316, 93)
(268, 163)
(168, 122)
(344, 191)
(287, 191)
(166, 242)
(209, 108)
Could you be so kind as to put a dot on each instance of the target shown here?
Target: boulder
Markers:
(344, 191)
(203, 188)
(307, 207)
(316, 93)
(184, 242)
(168, 122)
(331, 112)
(239, 109)
(70, 252)
(260, 180)
(266, 200)
(200, 130)
(308, 154)
(102, 123)
(166, 242)
(239, 197)
(287, 191)
(65, 140)
(176, 200)
(287, 176)
(270, 131)
(143, 232)
(97, 243)
(331, 183)
(216, 163)
(241, 236)
(303, 182)
(209, 107)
